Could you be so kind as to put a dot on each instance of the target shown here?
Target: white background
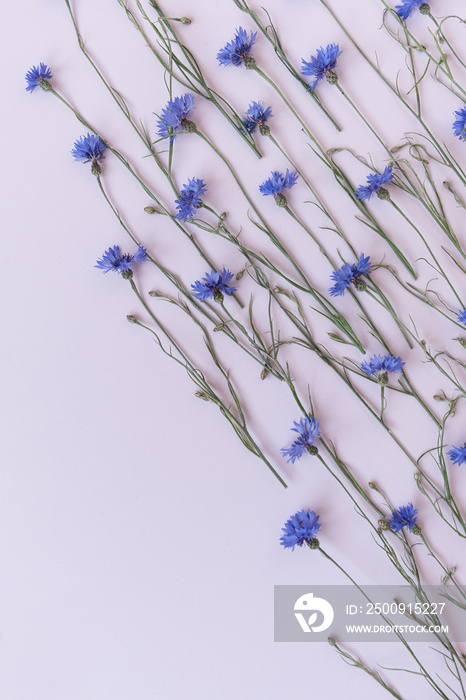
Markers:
(139, 540)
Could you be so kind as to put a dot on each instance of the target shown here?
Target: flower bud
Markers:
(131, 319)
(150, 210)
(185, 20)
(240, 274)
(223, 216)
(332, 77)
(218, 327)
(201, 395)
(250, 62)
(280, 199)
(383, 525)
(264, 373)
(189, 126)
(383, 193)
(372, 485)
(154, 294)
(331, 641)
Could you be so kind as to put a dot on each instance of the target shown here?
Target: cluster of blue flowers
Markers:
(302, 527)
(458, 455)
(38, 76)
(407, 6)
(113, 260)
(214, 285)
(322, 65)
(308, 431)
(190, 199)
(275, 185)
(175, 117)
(459, 125)
(256, 115)
(380, 367)
(406, 516)
(375, 184)
(238, 51)
(350, 274)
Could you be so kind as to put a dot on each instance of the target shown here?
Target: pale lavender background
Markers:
(138, 538)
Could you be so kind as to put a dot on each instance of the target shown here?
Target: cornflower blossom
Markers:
(257, 114)
(458, 455)
(214, 285)
(350, 274)
(380, 367)
(89, 148)
(275, 184)
(406, 516)
(407, 6)
(38, 76)
(308, 431)
(462, 316)
(175, 117)
(322, 65)
(113, 260)
(238, 51)
(190, 199)
(300, 528)
(459, 125)
(375, 184)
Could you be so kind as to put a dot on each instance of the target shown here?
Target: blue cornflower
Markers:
(322, 65)
(458, 454)
(112, 259)
(278, 182)
(238, 51)
(375, 183)
(462, 316)
(38, 76)
(406, 516)
(407, 6)
(459, 125)
(300, 528)
(215, 285)
(257, 115)
(381, 367)
(190, 199)
(175, 117)
(348, 274)
(308, 431)
(89, 148)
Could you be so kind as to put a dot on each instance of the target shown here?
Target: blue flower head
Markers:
(215, 285)
(300, 528)
(406, 516)
(407, 6)
(238, 51)
(458, 455)
(462, 316)
(322, 65)
(348, 274)
(278, 182)
(375, 183)
(256, 115)
(381, 367)
(308, 431)
(190, 199)
(89, 148)
(175, 117)
(112, 259)
(459, 125)
(38, 76)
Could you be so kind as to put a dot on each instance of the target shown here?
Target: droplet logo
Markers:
(307, 603)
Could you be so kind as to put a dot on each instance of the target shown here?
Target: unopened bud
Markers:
(154, 294)
(202, 395)
(240, 274)
(218, 327)
(264, 373)
(331, 641)
(383, 525)
(185, 20)
(223, 216)
(131, 319)
(150, 210)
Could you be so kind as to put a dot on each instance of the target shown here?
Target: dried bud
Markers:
(131, 319)
(264, 373)
(150, 210)
(185, 20)
(223, 216)
(202, 395)
(280, 199)
(250, 62)
(332, 642)
(218, 327)
(372, 485)
(383, 193)
(383, 525)
(154, 294)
